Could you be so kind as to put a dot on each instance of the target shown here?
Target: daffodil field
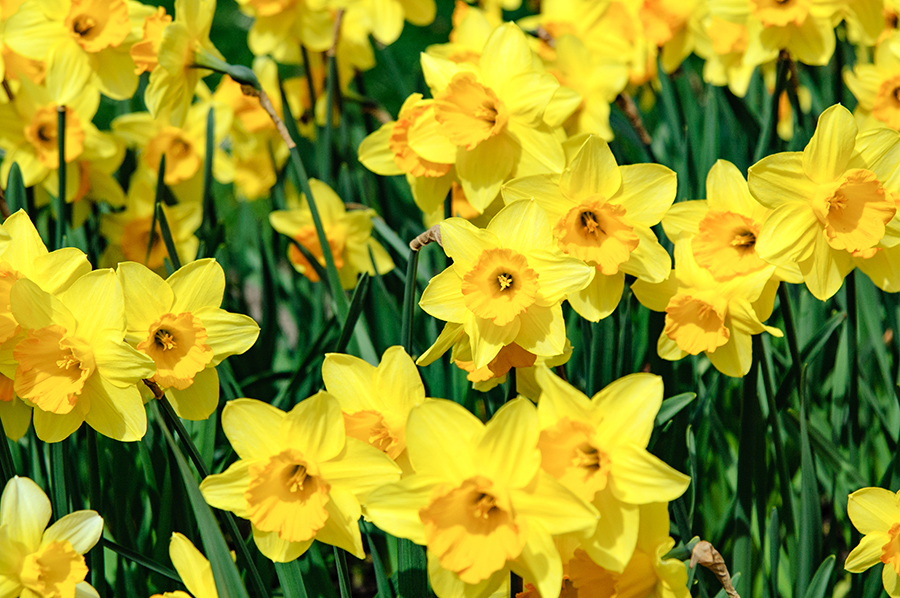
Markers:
(413, 298)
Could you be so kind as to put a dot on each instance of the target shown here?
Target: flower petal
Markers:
(443, 298)
(115, 412)
(637, 477)
(825, 270)
(375, 153)
(251, 426)
(780, 179)
(278, 550)
(541, 560)
(555, 506)
(359, 468)
(867, 552)
(464, 242)
(342, 526)
(600, 298)
(829, 150)
(440, 436)
(646, 193)
(147, 296)
(199, 400)
(51, 427)
(394, 508)
(228, 334)
(82, 529)
(193, 568)
(626, 409)
(507, 453)
(225, 490)
(24, 512)
(789, 234)
(613, 543)
(593, 172)
(198, 284)
(522, 226)
(315, 427)
(873, 510)
(542, 331)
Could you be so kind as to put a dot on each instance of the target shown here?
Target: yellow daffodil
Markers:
(391, 150)
(193, 568)
(704, 315)
(28, 134)
(493, 113)
(601, 213)
(876, 86)
(802, 27)
(864, 19)
(40, 561)
(25, 256)
(830, 202)
(387, 16)
(506, 284)
(179, 324)
(472, 26)
(82, 41)
(875, 513)
(299, 478)
(72, 363)
(376, 401)
(722, 229)
(280, 27)
(184, 49)
(128, 232)
(479, 500)
(597, 448)
(722, 42)
(349, 236)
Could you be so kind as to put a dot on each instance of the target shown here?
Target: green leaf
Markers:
(412, 576)
(774, 537)
(167, 236)
(381, 580)
(15, 190)
(810, 528)
(356, 305)
(673, 406)
(409, 301)
(228, 580)
(343, 574)
(290, 576)
(60, 200)
(818, 587)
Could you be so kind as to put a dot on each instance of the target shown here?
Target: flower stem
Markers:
(61, 195)
(790, 331)
(770, 124)
(7, 469)
(409, 298)
(58, 480)
(330, 85)
(852, 343)
(98, 566)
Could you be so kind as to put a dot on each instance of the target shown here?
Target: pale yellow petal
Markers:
(600, 298)
(225, 490)
(646, 193)
(873, 510)
(507, 453)
(81, 529)
(826, 157)
(252, 428)
(342, 527)
(626, 409)
(198, 284)
(440, 436)
(24, 512)
(867, 552)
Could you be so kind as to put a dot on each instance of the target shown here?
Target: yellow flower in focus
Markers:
(178, 323)
(299, 478)
(479, 501)
(183, 51)
(410, 146)
(507, 283)
(494, 114)
(704, 315)
(349, 237)
(193, 568)
(723, 229)
(72, 363)
(830, 202)
(601, 213)
(597, 448)
(25, 256)
(84, 42)
(875, 513)
(40, 561)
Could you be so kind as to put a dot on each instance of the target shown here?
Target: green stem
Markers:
(790, 331)
(209, 205)
(58, 480)
(7, 469)
(409, 298)
(770, 124)
(98, 566)
(61, 195)
(340, 562)
(852, 347)
(325, 153)
(784, 479)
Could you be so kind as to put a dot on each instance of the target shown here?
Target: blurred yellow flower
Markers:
(299, 477)
(41, 561)
(349, 235)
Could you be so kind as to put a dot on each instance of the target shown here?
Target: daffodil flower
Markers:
(299, 478)
(875, 85)
(26, 257)
(875, 513)
(597, 448)
(722, 229)
(349, 235)
(193, 568)
(601, 213)
(40, 561)
(507, 283)
(704, 315)
(73, 365)
(830, 202)
(179, 324)
(376, 401)
(479, 501)
(493, 113)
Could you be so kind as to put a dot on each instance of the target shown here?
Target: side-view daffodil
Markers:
(178, 322)
(875, 513)
(193, 568)
(479, 501)
(299, 478)
(37, 561)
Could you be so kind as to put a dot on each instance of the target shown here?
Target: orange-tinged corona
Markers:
(469, 112)
(42, 133)
(98, 24)
(177, 343)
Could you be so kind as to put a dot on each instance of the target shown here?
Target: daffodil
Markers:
(40, 561)
(128, 234)
(376, 401)
(193, 568)
(72, 363)
(877, 86)
(704, 315)
(722, 229)
(479, 501)
(178, 322)
(23, 255)
(493, 113)
(601, 213)
(830, 202)
(299, 478)
(387, 16)
(183, 52)
(597, 448)
(722, 42)
(507, 283)
(280, 27)
(391, 151)
(802, 27)
(875, 513)
(82, 41)
(349, 235)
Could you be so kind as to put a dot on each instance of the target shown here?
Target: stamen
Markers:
(484, 505)
(83, 25)
(744, 239)
(586, 456)
(164, 339)
(505, 280)
(589, 221)
(67, 362)
(295, 478)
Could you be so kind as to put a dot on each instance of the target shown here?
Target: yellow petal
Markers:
(735, 356)
(507, 453)
(226, 490)
(522, 226)
(81, 529)
(16, 418)
(375, 153)
(789, 234)
(464, 243)
(829, 150)
(559, 399)
(600, 298)
(315, 428)
(505, 54)
(199, 400)
(637, 477)
(867, 552)
(443, 298)
(648, 261)
(147, 297)
(824, 272)
(449, 336)
(96, 302)
(51, 427)
(542, 332)
(25, 512)
(727, 190)
(359, 468)
(68, 70)
(483, 169)
(251, 426)
(682, 220)
(398, 380)
(278, 550)
(228, 334)
(193, 568)
(115, 412)
(527, 94)
(541, 560)
(342, 527)
(646, 193)
(612, 545)
(198, 284)
(440, 436)
(873, 510)
(627, 408)
(395, 507)
(780, 179)
(557, 509)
